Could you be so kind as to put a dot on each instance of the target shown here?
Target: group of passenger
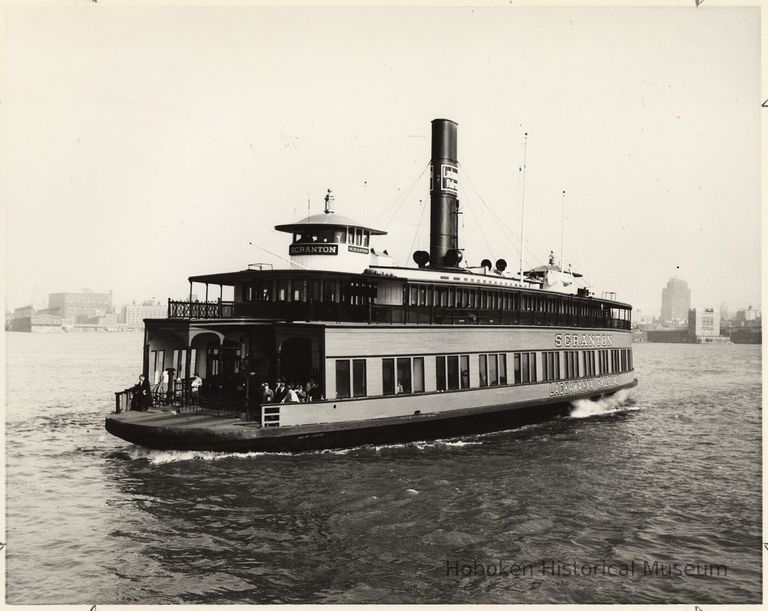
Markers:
(143, 396)
(280, 392)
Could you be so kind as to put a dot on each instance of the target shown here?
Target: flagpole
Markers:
(522, 212)
(562, 235)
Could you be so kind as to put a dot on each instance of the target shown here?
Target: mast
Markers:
(562, 235)
(522, 213)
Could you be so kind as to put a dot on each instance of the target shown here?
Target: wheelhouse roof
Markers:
(326, 220)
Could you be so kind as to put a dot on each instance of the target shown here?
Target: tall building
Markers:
(133, 315)
(77, 308)
(675, 301)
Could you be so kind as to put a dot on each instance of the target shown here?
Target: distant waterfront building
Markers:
(704, 326)
(23, 312)
(75, 308)
(668, 336)
(28, 321)
(133, 315)
(747, 316)
(746, 327)
(675, 301)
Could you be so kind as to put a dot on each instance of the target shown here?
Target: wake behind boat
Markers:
(378, 353)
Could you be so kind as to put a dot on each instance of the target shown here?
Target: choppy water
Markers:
(670, 474)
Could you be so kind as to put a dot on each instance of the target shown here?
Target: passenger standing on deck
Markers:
(142, 395)
(281, 392)
(195, 385)
(162, 388)
(169, 395)
(291, 396)
(316, 394)
(267, 396)
(300, 392)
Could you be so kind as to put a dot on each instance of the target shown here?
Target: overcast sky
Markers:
(143, 146)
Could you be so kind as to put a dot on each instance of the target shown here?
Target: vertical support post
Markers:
(188, 362)
(186, 388)
(145, 364)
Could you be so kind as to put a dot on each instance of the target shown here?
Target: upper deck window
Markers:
(283, 290)
(297, 290)
(329, 291)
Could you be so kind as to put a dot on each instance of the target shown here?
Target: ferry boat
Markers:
(393, 353)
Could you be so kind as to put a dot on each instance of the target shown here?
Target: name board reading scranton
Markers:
(576, 340)
(313, 249)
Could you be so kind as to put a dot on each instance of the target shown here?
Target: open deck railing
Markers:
(180, 398)
(197, 309)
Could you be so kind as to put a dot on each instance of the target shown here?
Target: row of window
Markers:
(335, 235)
(405, 375)
(505, 300)
(423, 295)
(320, 291)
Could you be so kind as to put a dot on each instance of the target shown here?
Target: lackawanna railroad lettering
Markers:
(343, 347)
(569, 387)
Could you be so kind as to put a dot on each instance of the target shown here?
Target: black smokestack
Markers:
(444, 204)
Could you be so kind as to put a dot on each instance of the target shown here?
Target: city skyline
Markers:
(176, 148)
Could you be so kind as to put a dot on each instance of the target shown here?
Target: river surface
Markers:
(598, 507)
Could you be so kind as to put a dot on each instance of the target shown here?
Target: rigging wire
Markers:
(404, 195)
(493, 214)
(502, 225)
(480, 230)
(418, 227)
